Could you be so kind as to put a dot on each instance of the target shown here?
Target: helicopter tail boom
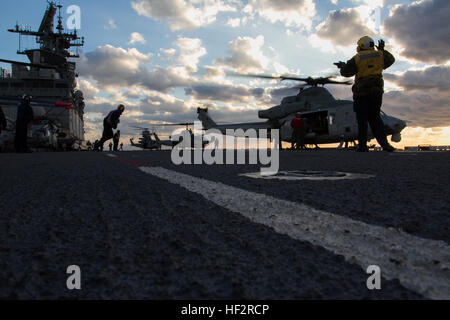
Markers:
(208, 123)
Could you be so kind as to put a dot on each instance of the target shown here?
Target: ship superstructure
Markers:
(49, 76)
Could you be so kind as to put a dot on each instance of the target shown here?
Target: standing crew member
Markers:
(121, 146)
(298, 134)
(109, 123)
(367, 66)
(24, 116)
(3, 123)
(110, 146)
(116, 140)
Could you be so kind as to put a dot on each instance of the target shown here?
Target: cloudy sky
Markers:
(163, 59)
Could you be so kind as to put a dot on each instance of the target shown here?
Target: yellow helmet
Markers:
(365, 43)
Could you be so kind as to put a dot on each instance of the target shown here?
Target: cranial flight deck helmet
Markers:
(366, 43)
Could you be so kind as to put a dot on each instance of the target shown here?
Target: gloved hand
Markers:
(339, 64)
(380, 45)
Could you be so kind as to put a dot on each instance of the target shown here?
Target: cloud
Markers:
(183, 14)
(136, 37)
(245, 55)
(344, 27)
(422, 29)
(111, 25)
(89, 90)
(425, 101)
(97, 110)
(126, 76)
(373, 3)
(413, 136)
(214, 73)
(157, 104)
(109, 64)
(419, 108)
(292, 13)
(191, 51)
(167, 54)
(435, 77)
(113, 67)
(224, 92)
(163, 80)
(234, 22)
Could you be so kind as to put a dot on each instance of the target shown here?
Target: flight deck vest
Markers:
(370, 64)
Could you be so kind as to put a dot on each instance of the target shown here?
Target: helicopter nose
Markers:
(399, 125)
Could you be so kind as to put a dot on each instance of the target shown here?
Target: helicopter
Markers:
(329, 120)
(148, 140)
(172, 143)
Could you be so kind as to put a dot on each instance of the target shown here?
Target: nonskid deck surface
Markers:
(140, 227)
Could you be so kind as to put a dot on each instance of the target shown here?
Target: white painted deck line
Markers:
(421, 265)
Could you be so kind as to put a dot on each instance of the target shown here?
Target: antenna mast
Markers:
(60, 27)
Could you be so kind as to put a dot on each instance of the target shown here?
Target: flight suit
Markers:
(3, 122)
(24, 116)
(299, 132)
(367, 66)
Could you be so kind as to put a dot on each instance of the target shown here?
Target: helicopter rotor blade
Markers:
(340, 82)
(252, 75)
(295, 78)
(267, 76)
(138, 128)
(309, 80)
(173, 124)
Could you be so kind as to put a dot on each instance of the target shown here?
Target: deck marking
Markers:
(308, 175)
(421, 265)
(111, 155)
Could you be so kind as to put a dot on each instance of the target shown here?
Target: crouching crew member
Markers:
(109, 123)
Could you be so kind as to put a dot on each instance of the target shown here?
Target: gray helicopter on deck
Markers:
(196, 139)
(147, 141)
(329, 120)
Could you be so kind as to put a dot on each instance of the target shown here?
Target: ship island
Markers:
(50, 77)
